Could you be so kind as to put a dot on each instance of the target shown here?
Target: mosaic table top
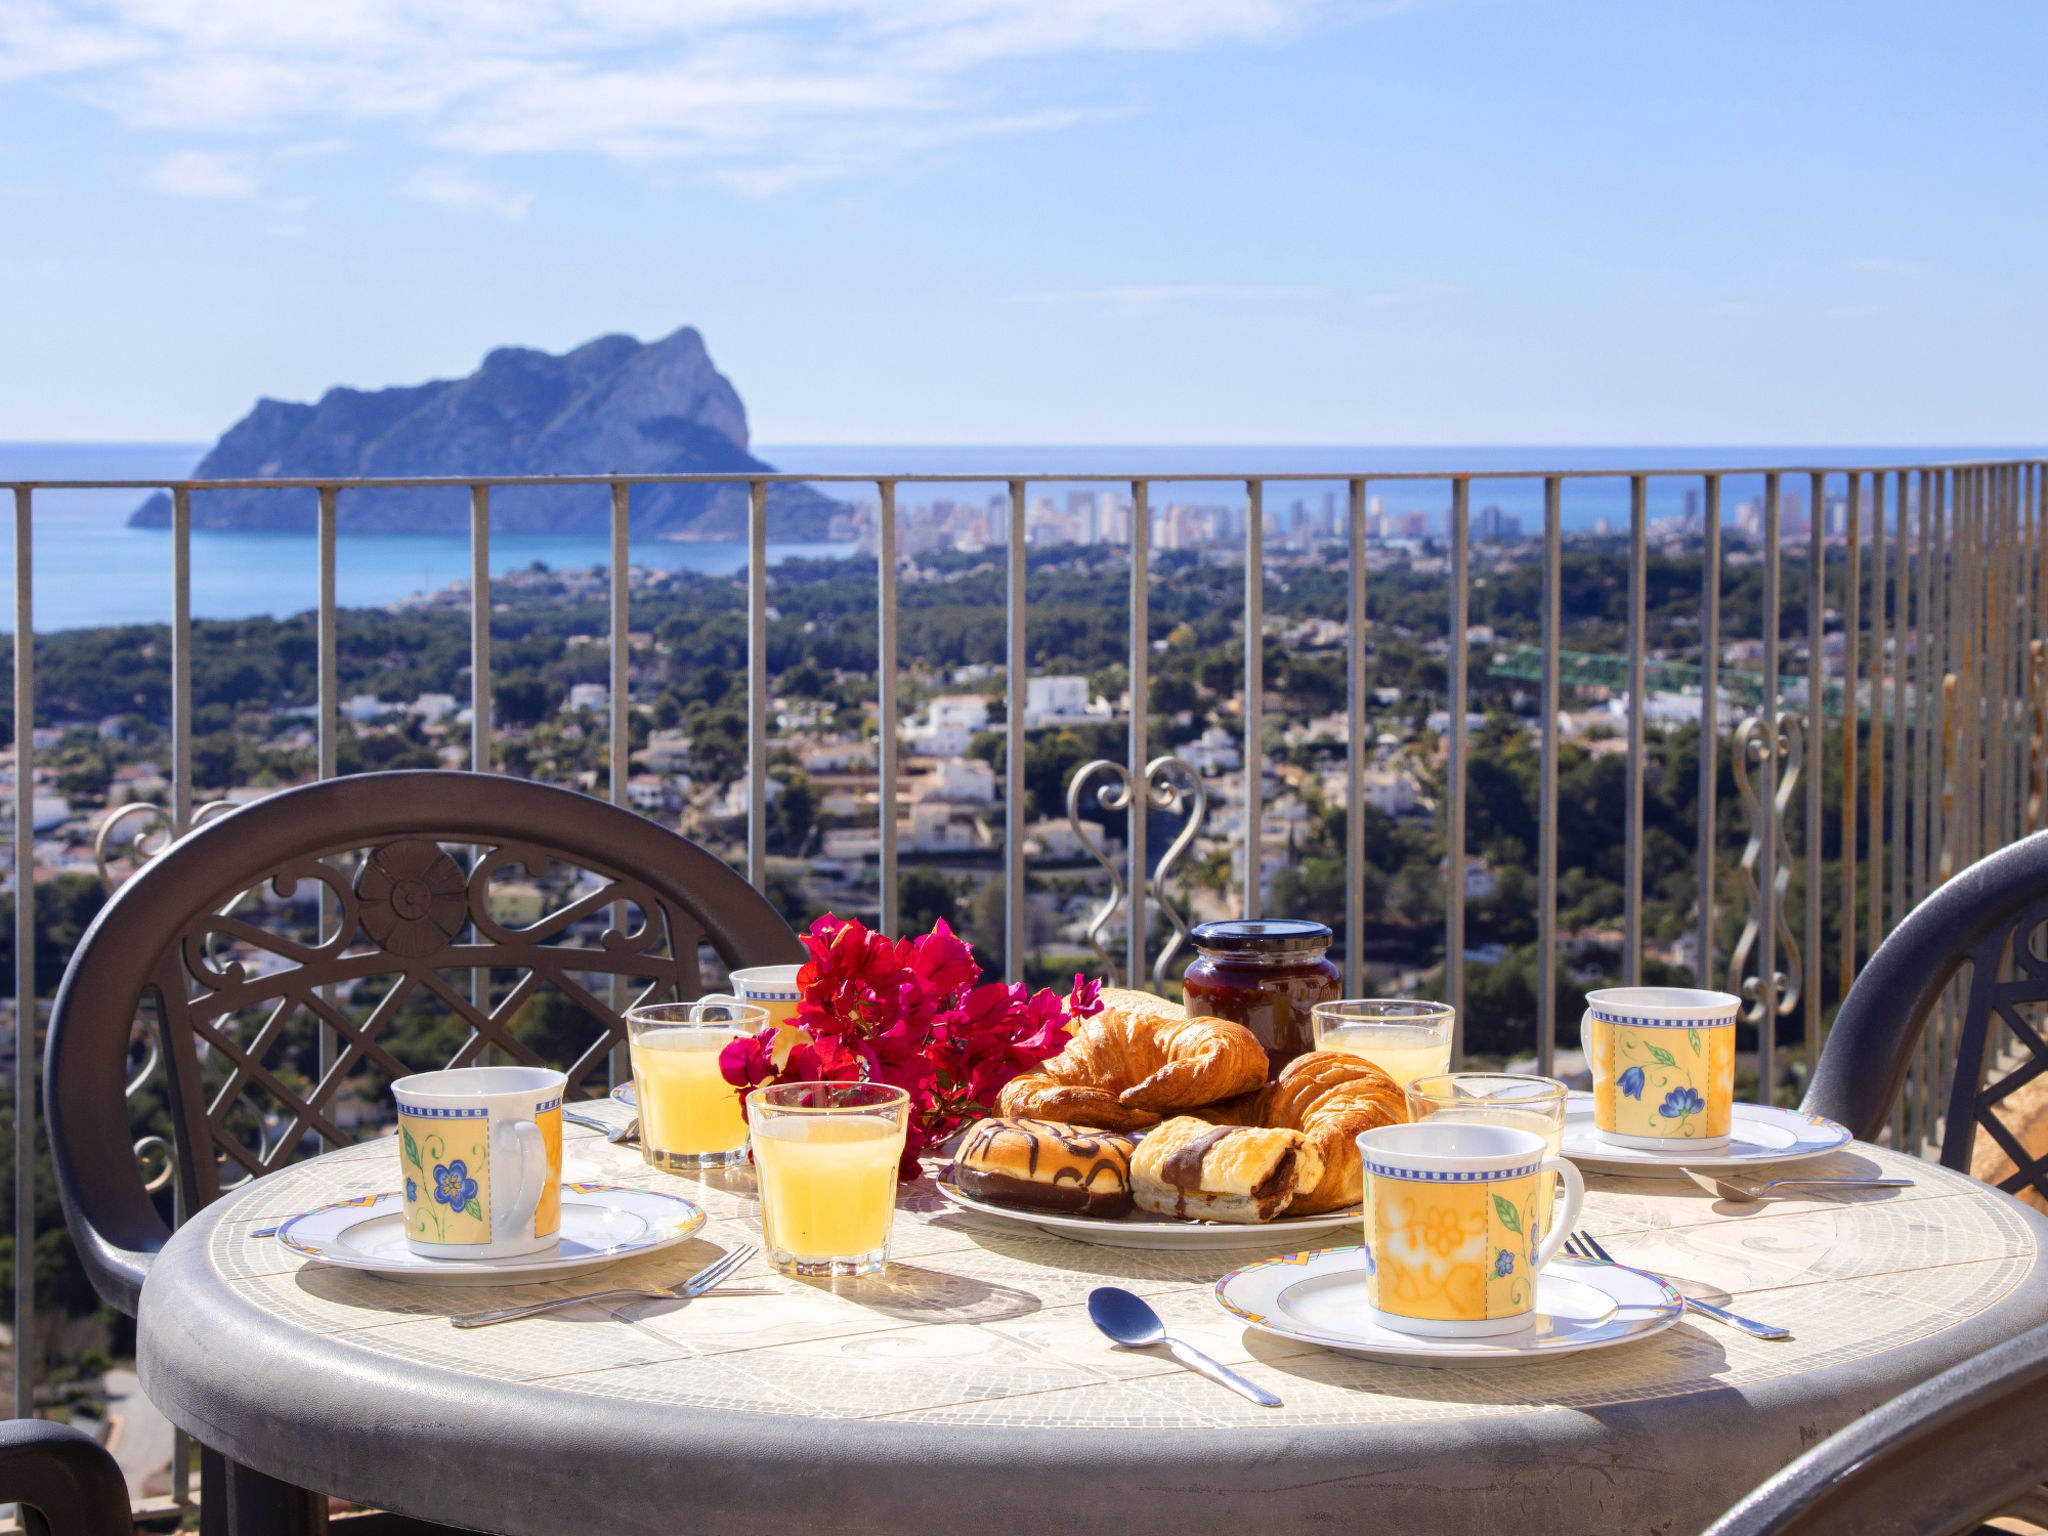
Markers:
(981, 1322)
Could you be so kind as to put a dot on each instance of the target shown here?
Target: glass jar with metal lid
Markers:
(1266, 974)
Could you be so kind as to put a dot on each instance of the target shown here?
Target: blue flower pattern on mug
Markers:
(1504, 1263)
(1631, 1082)
(453, 1186)
(1681, 1102)
(412, 1192)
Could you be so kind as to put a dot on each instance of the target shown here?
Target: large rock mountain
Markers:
(612, 405)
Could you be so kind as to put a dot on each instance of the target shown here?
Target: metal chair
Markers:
(64, 1480)
(1995, 910)
(403, 865)
(1954, 1451)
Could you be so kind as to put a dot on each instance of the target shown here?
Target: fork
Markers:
(1583, 1245)
(612, 1133)
(696, 1285)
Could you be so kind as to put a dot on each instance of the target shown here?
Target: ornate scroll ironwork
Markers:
(1751, 746)
(1163, 793)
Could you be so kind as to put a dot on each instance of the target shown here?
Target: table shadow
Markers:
(912, 1294)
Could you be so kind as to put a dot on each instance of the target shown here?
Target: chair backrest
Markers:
(1966, 1445)
(65, 1477)
(1992, 916)
(220, 938)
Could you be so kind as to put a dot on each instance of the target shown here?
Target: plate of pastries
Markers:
(1157, 1129)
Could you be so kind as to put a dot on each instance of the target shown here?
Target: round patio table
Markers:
(965, 1391)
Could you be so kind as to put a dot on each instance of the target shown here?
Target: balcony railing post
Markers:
(480, 628)
(1710, 727)
(24, 962)
(181, 661)
(1454, 765)
(1816, 676)
(757, 683)
(327, 695)
(1767, 861)
(1852, 724)
(1546, 793)
(1254, 695)
(885, 700)
(619, 734)
(1354, 756)
(1632, 839)
(1016, 680)
(1138, 743)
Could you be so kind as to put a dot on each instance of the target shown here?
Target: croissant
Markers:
(1330, 1097)
(1138, 1058)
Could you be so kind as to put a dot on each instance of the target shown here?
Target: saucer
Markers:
(626, 1095)
(601, 1224)
(1143, 1229)
(1320, 1298)
(1759, 1134)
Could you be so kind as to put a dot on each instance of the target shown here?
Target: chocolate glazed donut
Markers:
(1042, 1165)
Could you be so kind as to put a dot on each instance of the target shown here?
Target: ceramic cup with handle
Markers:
(480, 1156)
(1452, 1239)
(772, 987)
(1663, 1064)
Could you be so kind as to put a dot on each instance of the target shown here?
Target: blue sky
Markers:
(1046, 221)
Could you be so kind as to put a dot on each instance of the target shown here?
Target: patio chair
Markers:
(404, 864)
(1995, 909)
(64, 1480)
(1954, 1451)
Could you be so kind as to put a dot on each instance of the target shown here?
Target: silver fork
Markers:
(696, 1285)
(1583, 1245)
(612, 1133)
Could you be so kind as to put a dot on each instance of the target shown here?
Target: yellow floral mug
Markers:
(1452, 1241)
(1663, 1065)
(480, 1158)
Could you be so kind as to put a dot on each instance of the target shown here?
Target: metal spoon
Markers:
(612, 1133)
(1131, 1322)
(1744, 1196)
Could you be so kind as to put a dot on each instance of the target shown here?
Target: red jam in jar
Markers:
(1265, 974)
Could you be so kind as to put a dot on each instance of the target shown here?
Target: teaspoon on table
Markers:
(1744, 1195)
(1131, 1322)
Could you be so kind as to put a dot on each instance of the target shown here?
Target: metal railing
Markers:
(1938, 581)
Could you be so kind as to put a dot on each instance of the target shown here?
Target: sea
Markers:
(92, 569)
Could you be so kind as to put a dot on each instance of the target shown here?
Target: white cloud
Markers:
(767, 91)
(195, 173)
(454, 189)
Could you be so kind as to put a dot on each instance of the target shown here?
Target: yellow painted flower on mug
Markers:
(1450, 1252)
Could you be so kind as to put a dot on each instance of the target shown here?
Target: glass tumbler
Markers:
(691, 1118)
(1526, 1103)
(1403, 1037)
(826, 1156)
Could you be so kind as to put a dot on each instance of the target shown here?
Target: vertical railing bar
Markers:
(1546, 792)
(181, 661)
(1632, 810)
(1927, 680)
(1816, 735)
(1710, 727)
(619, 740)
(480, 687)
(885, 700)
(1901, 601)
(327, 696)
(1767, 862)
(1016, 669)
(1354, 756)
(1254, 694)
(1137, 744)
(757, 684)
(1454, 767)
(1883, 594)
(25, 1020)
(1852, 721)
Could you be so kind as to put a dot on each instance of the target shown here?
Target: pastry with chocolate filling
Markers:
(1196, 1171)
(1041, 1165)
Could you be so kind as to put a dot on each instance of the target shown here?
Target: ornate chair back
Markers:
(1993, 917)
(373, 908)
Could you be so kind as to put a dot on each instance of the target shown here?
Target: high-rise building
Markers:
(1692, 511)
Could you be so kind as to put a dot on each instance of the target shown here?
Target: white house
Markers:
(591, 696)
(1054, 700)
(962, 781)
(1216, 751)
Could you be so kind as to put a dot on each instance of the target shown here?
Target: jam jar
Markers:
(1265, 974)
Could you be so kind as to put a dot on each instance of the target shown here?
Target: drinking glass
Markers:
(826, 1157)
(1404, 1038)
(1514, 1099)
(691, 1118)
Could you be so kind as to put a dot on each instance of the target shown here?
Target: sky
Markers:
(1046, 221)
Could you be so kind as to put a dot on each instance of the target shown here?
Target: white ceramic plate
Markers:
(1319, 1298)
(1759, 1134)
(625, 1095)
(601, 1224)
(1142, 1229)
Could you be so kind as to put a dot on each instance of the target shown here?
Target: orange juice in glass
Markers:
(691, 1118)
(1405, 1039)
(826, 1156)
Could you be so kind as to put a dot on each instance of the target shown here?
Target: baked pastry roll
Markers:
(1043, 1166)
(1330, 1097)
(1193, 1170)
(1138, 1060)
